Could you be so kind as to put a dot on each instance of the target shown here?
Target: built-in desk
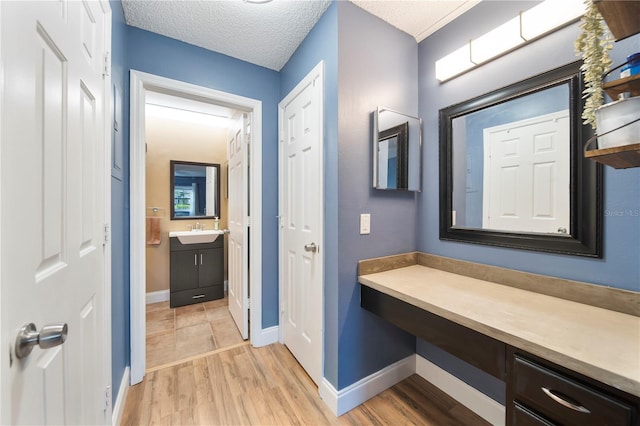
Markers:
(500, 329)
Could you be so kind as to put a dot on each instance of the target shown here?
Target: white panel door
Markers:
(301, 214)
(52, 198)
(524, 189)
(238, 280)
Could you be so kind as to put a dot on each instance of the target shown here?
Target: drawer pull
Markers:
(563, 400)
(199, 296)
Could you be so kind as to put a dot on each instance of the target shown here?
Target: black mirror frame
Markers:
(586, 175)
(173, 186)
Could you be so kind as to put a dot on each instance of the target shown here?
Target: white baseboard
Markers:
(266, 337)
(157, 296)
(339, 402)
(470, 397)
(118, 407)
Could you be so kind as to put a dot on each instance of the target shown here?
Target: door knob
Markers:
(51, 335)
(311, 247)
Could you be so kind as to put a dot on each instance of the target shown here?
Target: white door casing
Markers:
(523, 189)
(54, 181)
(238, 211)
(140, 82)
(301, 208)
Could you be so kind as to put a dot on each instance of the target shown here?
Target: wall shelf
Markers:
(619, 157)
(623, 20)
(629, 84)
(622, 17)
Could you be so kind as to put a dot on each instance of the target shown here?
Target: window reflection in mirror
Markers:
(397, 151)
(195, 190)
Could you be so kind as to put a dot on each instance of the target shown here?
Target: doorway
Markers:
(186, 188)
(141, 85)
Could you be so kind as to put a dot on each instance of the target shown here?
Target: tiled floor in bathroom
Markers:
(180, 333)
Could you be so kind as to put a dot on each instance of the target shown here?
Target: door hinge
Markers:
(107, 233)
(107, 398)
(248, 221)
(248, 303)
(106, 71)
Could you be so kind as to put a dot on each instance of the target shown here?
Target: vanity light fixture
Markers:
(529, 25)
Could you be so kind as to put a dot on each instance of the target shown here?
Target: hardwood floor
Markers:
(243, 385)
(180, 333)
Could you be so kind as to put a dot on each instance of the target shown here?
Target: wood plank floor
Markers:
(266, 386)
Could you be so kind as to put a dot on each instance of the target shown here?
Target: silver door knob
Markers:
(311, 247)
(51, 335)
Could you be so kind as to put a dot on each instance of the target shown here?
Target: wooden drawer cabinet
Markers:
(525, 417)
(541, 394)
(196, 272)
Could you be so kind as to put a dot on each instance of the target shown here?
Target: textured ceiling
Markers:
(267, 34)
(419, 18)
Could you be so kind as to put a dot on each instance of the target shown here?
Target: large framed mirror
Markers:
(194, 190)
(512, 170)
(397, 143)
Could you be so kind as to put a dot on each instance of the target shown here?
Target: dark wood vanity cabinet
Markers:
(197, 272)
(542, 393)
(538, 392)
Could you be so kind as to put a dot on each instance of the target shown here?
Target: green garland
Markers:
(593, 45)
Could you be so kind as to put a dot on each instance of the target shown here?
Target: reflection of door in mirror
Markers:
(396, 151)
(511, 165)
(393, 159)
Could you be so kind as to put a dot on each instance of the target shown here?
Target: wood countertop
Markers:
(600, 343)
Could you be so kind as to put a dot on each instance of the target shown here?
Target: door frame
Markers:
(140, 82)
(317, 73)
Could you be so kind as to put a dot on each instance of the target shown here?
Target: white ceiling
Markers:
(267, 34)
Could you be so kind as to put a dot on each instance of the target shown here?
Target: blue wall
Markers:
(120, 348)
(165, 57)
(356, 48)
(619, 266)
(377, 65)
(321, 44)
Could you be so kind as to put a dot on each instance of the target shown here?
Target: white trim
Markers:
(118, 407)
(157, 296)
(140, 82)
(340, 402)
(467, 395)
(316, 74)
(106, 290)
(264, 337)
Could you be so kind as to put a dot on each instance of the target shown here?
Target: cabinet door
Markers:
(211, 267)
(184, 270)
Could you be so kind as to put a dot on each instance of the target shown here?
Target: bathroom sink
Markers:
(197, 237)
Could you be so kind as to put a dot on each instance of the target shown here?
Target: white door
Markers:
(52, 198)
(238, 208)
(301, 219)
(524, 189)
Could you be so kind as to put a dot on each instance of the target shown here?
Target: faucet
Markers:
(197, 227)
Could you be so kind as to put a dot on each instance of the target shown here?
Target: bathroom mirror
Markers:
(397, 142)
(195, 190)
(512, 170)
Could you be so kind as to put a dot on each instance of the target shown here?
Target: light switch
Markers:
(365, 223)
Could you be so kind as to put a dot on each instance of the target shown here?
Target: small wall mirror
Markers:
(195, 190)
(512, 170)
(397, 143)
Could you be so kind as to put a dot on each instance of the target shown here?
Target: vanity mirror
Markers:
(512, 170)
(194, 190)
(397, 142)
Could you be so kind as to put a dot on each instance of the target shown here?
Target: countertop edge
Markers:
(623, 383)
